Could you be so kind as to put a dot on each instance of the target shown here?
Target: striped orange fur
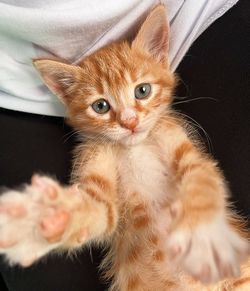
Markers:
(141, 184)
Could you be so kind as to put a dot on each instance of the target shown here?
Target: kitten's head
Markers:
(120, 91)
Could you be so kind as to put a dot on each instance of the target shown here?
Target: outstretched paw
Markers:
(210, 252)
(35, 221)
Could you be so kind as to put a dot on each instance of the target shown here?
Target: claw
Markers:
(82, 236)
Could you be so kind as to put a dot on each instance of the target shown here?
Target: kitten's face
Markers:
(120, 91)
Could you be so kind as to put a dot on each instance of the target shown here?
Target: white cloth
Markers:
(71, 29)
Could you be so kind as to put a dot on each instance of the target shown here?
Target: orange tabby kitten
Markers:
(140, 184)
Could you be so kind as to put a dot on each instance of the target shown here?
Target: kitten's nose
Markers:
(130, 123)
(128, 119)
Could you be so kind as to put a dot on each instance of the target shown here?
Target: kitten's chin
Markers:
(134, 139)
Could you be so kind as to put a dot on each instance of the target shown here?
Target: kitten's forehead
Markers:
(113, 73)
(116, 65)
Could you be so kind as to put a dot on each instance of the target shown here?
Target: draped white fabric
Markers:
(71, 29)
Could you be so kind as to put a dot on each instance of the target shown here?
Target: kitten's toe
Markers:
(179, 245)
(204, 275)
(26, 262)
(12, 209)
(46, 186)
(7, 243)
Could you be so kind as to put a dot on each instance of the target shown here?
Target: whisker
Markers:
(70, 134)
(195, 99)
(180, 80)
(196, 124)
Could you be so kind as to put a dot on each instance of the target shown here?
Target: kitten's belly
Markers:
(142, 171)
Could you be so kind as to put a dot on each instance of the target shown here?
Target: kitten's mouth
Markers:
(134, 137)
(136, 131)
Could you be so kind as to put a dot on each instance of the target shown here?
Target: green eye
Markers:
(101, 106)
(142, 91)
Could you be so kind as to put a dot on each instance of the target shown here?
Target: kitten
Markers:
(141, 184)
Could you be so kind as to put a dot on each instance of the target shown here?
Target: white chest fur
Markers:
(142, 171)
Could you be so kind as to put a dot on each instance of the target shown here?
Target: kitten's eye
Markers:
(101, 106)
(142, 91)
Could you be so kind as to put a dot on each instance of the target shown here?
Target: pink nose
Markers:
(130, 123)
(128, 118)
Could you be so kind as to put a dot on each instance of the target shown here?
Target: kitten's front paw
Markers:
(209, 252)
(34, 222)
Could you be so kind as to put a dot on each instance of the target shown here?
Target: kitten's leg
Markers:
(47, 216)
(203, 241)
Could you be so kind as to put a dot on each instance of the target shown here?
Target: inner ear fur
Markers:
(153, 36)
(59, 77)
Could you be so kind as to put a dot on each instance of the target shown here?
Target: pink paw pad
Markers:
(7, 243)
(53, 226)
(13, 209)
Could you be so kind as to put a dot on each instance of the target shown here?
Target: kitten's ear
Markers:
(59, 77)
(153, 36)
